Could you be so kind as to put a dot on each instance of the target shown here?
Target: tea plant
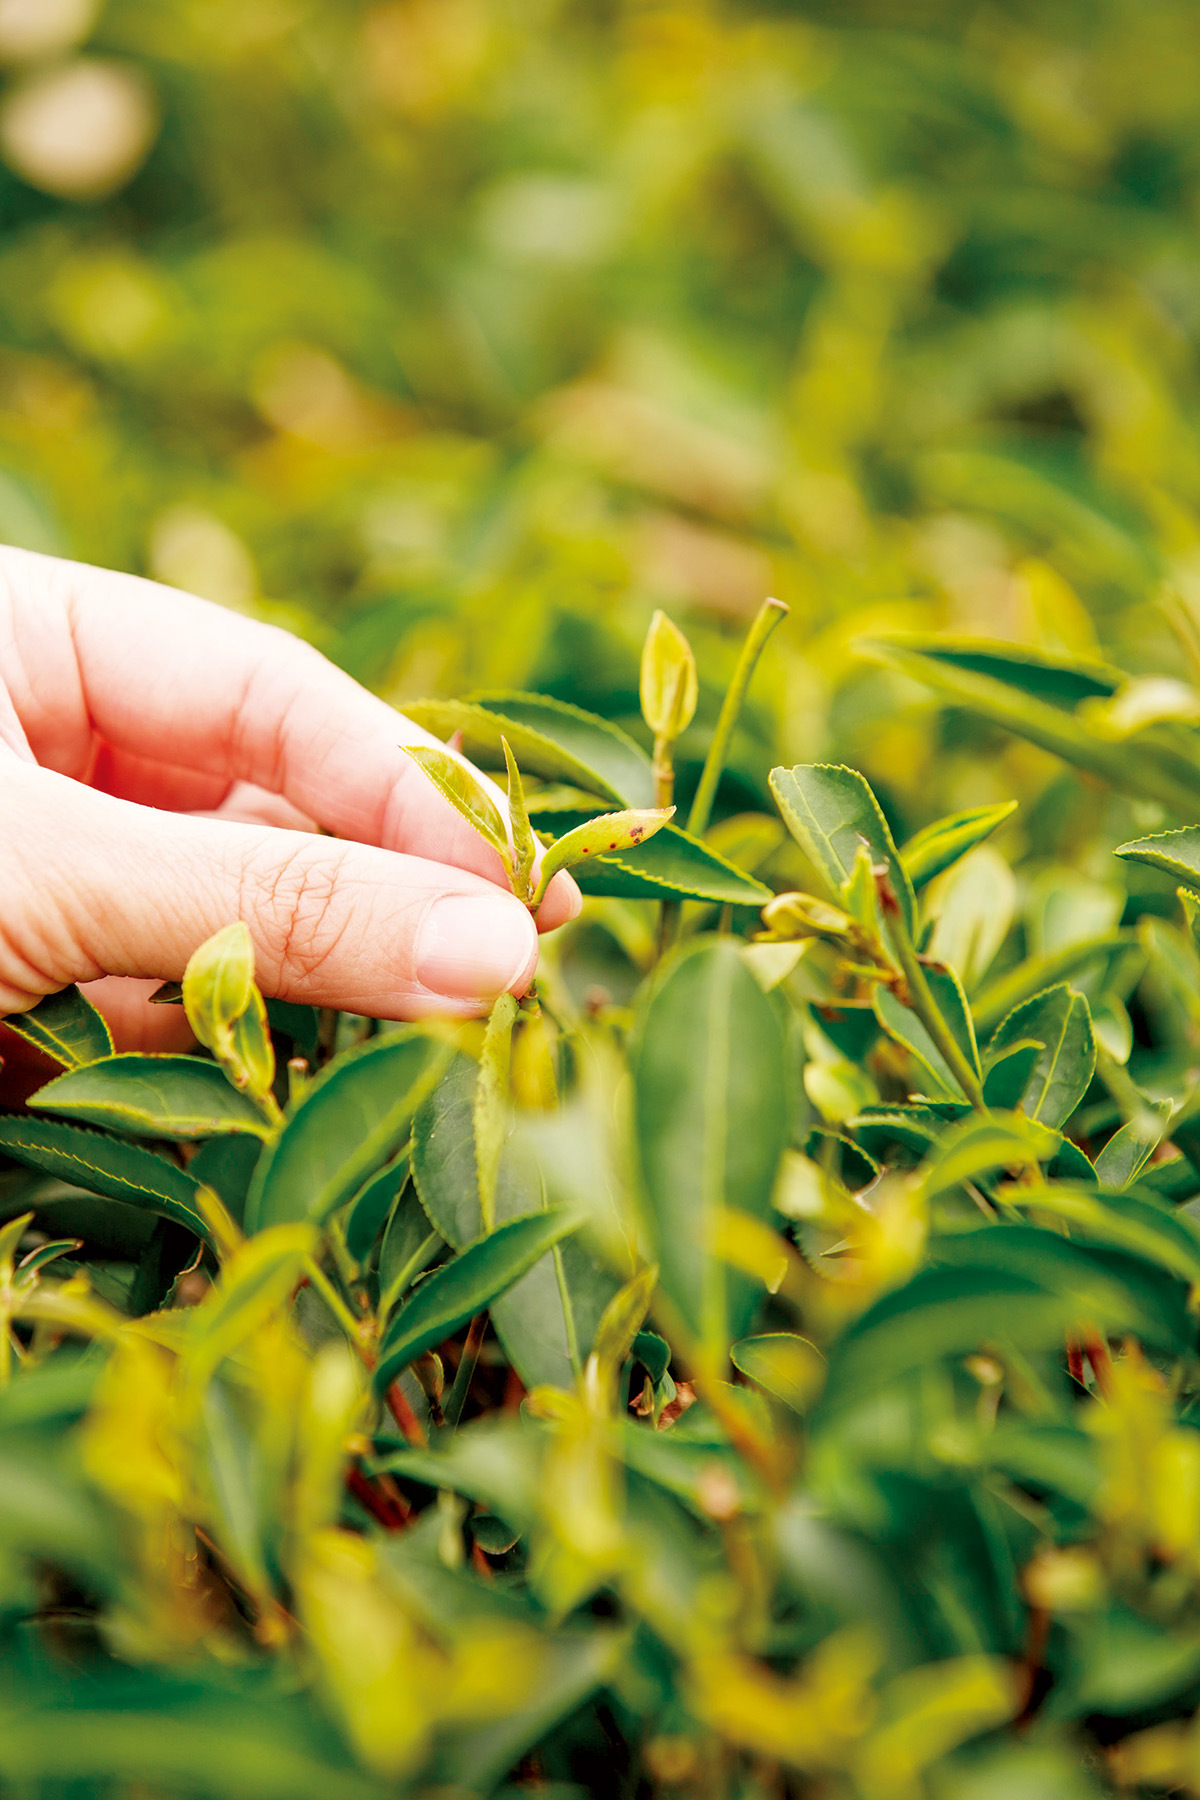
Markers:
(782, 1383)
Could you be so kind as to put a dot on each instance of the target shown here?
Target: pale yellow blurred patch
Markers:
(79, 130)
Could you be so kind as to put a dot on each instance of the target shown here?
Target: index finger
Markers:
(164, 675)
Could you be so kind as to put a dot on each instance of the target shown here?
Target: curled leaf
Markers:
(606, 832)
(525, 846)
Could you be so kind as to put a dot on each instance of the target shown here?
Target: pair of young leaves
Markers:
(516, 846)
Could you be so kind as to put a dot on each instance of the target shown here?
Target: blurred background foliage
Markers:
(458, 334)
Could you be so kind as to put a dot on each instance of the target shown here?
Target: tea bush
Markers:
(761, 1361)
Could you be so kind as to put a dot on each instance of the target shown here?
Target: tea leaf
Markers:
(669, 689)
(711, 1110)
(1130, 1149)
(981, 1143)
(465, 792)
(258, 1277)
(227, 1013)
(902, 1023)
(372, 1204)
(789, 1367)
(152, 1096)
(1060, 1021)
(64, 1026)
(946, 840)
(616, 1333)
(549, 738)
(547, 1320)
(525, 848)
(1009, 1072)
(105, 1165)
(1178, 852)
(217, 984)
(668, 866)
(352, 1119)
(830, 811)
(461, 1288)
(1037, 698)
(491, 1109)
(608, 834)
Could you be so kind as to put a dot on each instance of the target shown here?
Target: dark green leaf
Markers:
(1010, 1071)
(459, 1289)
(903, 1024)
(153, 1097)
(669, 865)
(548, 738)
(65, 1027)
(1130, 1149)
(351, 1120)
(830, 811)
(372, 1204)
(104, 1165)
(1060, 1021)
(711, 1107)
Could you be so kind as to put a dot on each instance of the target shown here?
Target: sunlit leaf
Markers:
(152, 1097)
(64, 1026)
(608, 834)
(465, 792)
(946, 840)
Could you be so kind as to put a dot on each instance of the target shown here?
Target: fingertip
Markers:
(563, 902)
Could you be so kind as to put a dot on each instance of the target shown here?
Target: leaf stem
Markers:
(930, 1014)
(456, 1398)
(337, 1306)
(767, 618)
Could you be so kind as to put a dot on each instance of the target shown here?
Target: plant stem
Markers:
(767, 618)
(337, 1306)
(423, 1254)
(456, 1398)
(930, 1014)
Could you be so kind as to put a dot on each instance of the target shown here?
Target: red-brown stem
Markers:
(405, 1417)
(1075, 1360)
(378, 1505)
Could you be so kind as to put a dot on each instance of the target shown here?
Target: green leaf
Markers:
(218, 983)
(669, 866)
(352, 1119)
(490, 1115)
(614, 835)
(1060, 1021)
(981, 1143)
(1010, 1071)
(525, 846)
(1034, 696)
(946, 840)
(1036, 973)
(830, 811)
(258, 1278)
(1144, 1228)
(789, 1367)
(955, 1311)
(459, 1289)
(668, 687)
(105, 1165)
(902, 1023)
(546, 1322)
(465, 792)
(549, 738)
(227, 1012)
(372, 1204)
(152, 1096)
(1177, 852)
(227, 1165)
(711, 1114)
(408, 1247)
(64, 1026)
(1130, 1149)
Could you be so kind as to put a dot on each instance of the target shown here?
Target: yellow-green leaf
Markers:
(606, 832)
(465, 792)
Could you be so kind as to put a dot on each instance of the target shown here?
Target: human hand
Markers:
(165, 768)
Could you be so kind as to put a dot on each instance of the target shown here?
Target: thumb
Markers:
(99, 886)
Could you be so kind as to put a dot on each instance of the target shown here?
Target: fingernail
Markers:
(473, 947)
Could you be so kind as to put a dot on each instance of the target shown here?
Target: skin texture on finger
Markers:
(98, 886)
(133, 1021)
(232, 698)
